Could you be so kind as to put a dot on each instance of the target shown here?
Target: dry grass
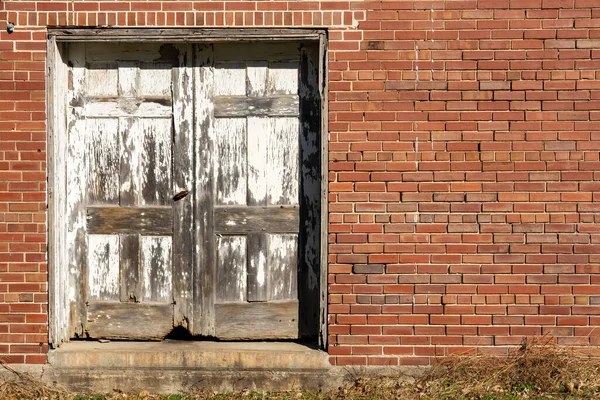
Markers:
(18, 386)
(536, 370)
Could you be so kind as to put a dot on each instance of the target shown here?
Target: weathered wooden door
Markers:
(249, 187)
(129, 154)
(194, 198)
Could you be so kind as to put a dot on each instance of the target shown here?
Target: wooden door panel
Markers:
(103, 267)
(154, 160)
(255, 134)
(282, 267)
(264, 320)
(230, 147)
(156, 256)
(103, 160)
(134, 136)
(231, 268)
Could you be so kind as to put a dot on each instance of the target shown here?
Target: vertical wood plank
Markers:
(183, 169)
(256, 78)
(257, 248)
(130, 155)
(58, 272)
(157, 273)
(282, 155)
(103, 266)
(204, 272)
(282, 264)
(283, 78)
(231, 151)
(76, 190)
(260, 130)
(130, 268)
(129, 78)
(102, 79)
(155, 164)
(231, 269)
(230, 79)
(156, 78)
(103, 154)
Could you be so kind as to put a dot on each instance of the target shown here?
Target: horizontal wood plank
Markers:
(188, 35)
(273, 320)
(242, 106)
(131, 321)
(108, 108)
(145, 221)
(238, 219)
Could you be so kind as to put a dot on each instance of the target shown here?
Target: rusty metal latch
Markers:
(181, 195)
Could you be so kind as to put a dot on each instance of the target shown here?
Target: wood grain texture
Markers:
(256, 78)
(242, 106)
(282, 261)
(230, 78)
(231, 269)
(273, 320)
(156, 78)
(130, 275)
(102, 79)
(128, 107)
(129, 78)
(58, 272)
(103, 267)
(157, 269)
(283, 78)
(103, 165)
(76, 190)
(259, 133)
(230, 148)
(185, 35)
(156, 163)
(130, 155)
(283, 163)
(258, 272)
(183, 180)
(229, 220)
(205, 255)
(145, 221)
(131, 321)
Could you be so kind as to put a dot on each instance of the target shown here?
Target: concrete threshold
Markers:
(174, 366)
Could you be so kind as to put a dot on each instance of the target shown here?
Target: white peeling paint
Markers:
(157, 270)
(231, 268)
(282, 264)
(156, 79)
(283, 78)
(282, 159)
(102, 80)
(103, 267)
(261, 268)
(230, 79)
(230, 171)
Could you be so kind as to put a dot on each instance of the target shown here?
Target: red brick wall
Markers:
(464, 145)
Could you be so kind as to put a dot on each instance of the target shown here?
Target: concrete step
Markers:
(176, 366)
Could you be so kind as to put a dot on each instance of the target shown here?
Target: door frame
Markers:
(56, 106)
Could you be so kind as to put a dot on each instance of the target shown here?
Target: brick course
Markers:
(464, 168)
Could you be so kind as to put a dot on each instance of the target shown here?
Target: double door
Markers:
(192, 190)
